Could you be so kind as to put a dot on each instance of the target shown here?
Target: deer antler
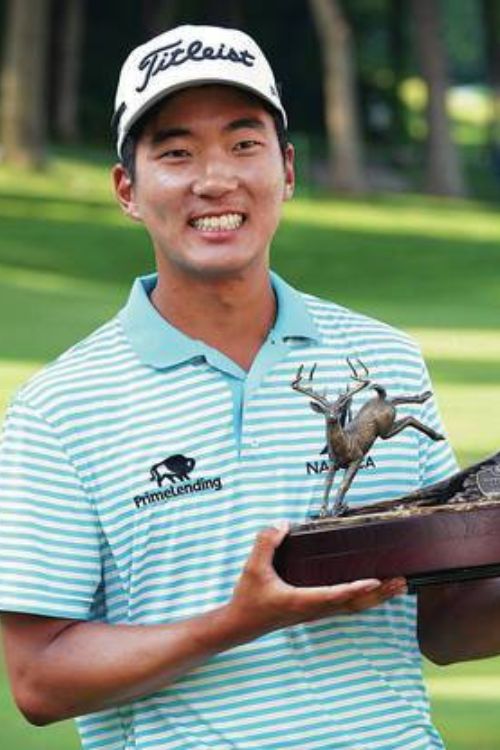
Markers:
(309, 391)
(344, 398)
(362, 382)
(355, 375)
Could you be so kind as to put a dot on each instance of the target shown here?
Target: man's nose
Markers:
(214, 179)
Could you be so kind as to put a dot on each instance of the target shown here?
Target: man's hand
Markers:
(263, 602)
(64, 668)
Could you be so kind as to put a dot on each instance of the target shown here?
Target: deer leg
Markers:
(340, 506)
(328, 486)
(402, 424)
(419, 398)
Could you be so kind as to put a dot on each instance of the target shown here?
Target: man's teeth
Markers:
(218, 223)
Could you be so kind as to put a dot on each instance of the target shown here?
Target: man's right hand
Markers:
(62, 668)
(263, 602)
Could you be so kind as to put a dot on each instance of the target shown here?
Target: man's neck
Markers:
(233, 315)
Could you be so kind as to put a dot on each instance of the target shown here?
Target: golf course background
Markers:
(429, 266)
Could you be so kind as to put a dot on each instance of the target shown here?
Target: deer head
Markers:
(332, 410)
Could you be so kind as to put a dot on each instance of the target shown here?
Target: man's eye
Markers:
(247, 144)
(176, 153)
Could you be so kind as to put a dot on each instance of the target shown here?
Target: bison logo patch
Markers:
(174, 468)
(173, 481)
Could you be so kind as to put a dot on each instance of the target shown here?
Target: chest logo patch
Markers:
(172, 477)
(174, 468)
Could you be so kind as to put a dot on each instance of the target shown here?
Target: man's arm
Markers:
(65, 668)
(459, 621)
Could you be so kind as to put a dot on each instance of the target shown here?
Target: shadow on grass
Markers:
(87, 250)
(400, 278)
(404, 279)
(42, 325)
(35, 200)
(459, 371)
(346, 264)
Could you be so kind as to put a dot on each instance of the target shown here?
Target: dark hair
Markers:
(131, 139)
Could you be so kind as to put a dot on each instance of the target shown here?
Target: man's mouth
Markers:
(221, 223)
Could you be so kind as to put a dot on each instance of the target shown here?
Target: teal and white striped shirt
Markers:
(136, 471)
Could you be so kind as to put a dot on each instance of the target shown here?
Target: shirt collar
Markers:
(293, 319)
(160, 344)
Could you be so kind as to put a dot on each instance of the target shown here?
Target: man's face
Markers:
(210, 182)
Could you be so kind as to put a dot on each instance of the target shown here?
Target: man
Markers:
(146, 473)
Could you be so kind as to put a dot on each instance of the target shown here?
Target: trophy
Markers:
(448, 531)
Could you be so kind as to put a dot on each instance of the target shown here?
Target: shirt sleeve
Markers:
(50, 537)
(437, 459)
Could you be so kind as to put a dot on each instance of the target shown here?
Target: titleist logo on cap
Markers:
(176, 54)
(190, 56)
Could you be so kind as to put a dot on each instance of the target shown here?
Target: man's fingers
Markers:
(394, 587)
(387, 590)
(340, 593)
(287, 604)
(266, 543)
(351, 597)
(311, 603)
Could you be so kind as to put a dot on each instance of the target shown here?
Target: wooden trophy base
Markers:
(443, 533)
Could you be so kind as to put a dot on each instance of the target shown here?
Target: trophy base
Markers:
(425, 545)
(446, 532)
(454, 575)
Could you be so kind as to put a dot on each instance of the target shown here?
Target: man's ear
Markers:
(289, 172)
(125, 192)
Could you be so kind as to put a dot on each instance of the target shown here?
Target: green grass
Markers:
(465, 699)
(430, 266)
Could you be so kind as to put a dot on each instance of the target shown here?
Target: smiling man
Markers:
(146, 473)
(209, 183)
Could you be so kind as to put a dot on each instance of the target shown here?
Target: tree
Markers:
(23, 84)
(491, 18)
(69, 40)
(442, 164)
(224, 12)
(158, 16)
(397, 56)
(341, 113)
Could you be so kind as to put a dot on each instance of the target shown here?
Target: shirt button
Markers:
(254, 443)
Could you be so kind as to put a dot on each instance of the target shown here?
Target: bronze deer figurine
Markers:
(349, 443)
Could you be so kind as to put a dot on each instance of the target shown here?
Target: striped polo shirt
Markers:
(136, 471)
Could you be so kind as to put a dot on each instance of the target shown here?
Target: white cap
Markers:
(190, 56)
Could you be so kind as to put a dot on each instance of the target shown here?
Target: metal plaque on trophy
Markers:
(446, 532)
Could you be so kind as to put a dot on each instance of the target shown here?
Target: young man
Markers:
(147, 472)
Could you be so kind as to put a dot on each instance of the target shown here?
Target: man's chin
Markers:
(220, 269)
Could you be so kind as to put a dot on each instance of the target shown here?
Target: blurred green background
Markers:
(428, 265)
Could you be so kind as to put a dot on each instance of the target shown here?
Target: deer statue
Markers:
(348, 442)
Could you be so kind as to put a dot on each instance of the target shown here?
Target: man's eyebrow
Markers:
(246, 122)
(164, 134)
(159, 136)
